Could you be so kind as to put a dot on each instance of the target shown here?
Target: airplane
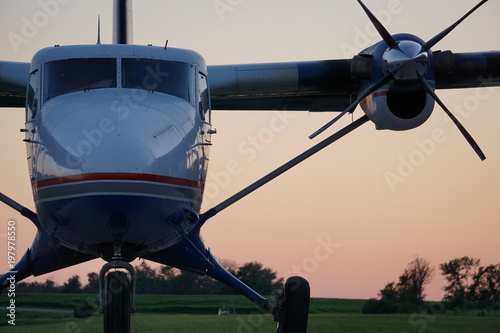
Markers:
(118, 140)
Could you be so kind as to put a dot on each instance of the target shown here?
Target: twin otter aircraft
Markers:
(118, 140)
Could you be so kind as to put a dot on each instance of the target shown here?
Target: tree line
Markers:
(170, 281)
(469, 286)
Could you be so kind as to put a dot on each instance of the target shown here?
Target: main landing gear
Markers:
(292, 310)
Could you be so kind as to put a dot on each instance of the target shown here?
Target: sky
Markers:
(335, 219)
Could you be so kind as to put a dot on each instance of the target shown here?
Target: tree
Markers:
(390, 292)
(485, 288)
(262, 280)
(73, 285)
(253, 274)
(188, 283)
(459, 273)
(230, 265)
(92, 283)
(406, 295)
(149, 281)
(167, 272)
(49, 286)
(412, 282)
(145, 271)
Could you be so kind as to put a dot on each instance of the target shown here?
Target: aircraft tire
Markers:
(117, 303)
(295, 306)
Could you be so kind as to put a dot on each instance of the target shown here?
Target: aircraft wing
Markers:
(314, 85)
(327, 85)
(330, 85)
(14, 78)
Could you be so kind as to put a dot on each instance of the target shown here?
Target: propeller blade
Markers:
(462, 129)
(429, 44)
(282, 169)
(330, 123)
(388, 77)
(386, 36)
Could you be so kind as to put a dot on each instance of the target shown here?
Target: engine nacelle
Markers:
(398, 107)
(403, 103)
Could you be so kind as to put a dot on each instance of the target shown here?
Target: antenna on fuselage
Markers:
(99, 30)
(122, 22)
(166, 44)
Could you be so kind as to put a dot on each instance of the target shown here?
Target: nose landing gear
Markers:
(117, 294)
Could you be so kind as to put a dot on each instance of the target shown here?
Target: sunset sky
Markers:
(335, 219)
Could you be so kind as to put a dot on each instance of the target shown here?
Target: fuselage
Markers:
(118, 138)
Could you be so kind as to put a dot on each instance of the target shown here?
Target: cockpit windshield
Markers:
(169, 77)
(70, 75)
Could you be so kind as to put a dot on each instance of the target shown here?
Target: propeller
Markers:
(386, 36)
(462, 129)
(406, 63)
(436, 39)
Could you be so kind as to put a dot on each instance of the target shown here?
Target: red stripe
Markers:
(118, 176)
(380, 93)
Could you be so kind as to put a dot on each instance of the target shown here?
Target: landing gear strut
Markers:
(292, 310)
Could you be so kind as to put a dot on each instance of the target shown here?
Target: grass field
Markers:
(256, 323)
(173, 304)
(327, 315)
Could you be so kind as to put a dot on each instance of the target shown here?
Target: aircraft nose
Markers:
(99, 137)
(108, 150)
